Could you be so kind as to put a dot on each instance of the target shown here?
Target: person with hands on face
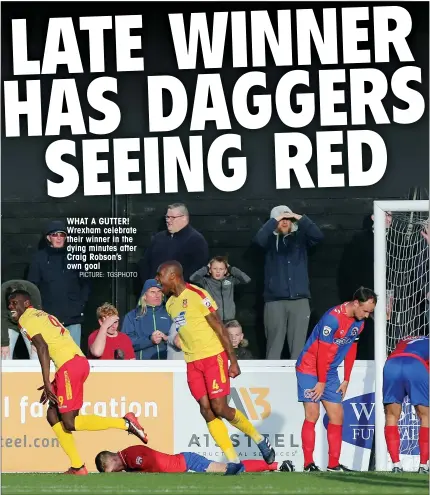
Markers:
(108, 340)
(65, 394)
(148, 325)
(207, 350)
(333, 340)
(220, 279)
(285, 239)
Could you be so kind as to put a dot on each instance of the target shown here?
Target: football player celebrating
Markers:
(139, 458)
(406, 373)
(65, 393)
(333, 340)
(207, 349)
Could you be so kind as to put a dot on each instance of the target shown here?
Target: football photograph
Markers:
(215, 271)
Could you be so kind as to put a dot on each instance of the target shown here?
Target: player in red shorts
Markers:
(139, 458)
(207, 349)
(65, 393)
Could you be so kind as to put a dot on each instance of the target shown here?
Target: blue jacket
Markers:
(64, 294)
(140, 328)
(286, 260)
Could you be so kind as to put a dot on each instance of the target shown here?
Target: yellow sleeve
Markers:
(31, 326)
(206, 305)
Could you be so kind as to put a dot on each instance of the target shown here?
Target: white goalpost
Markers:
(401, 281)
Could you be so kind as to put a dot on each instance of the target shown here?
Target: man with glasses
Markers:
(63, 292)
(179, 242)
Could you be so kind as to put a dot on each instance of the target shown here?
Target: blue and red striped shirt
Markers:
(331, 342)
(416, 347)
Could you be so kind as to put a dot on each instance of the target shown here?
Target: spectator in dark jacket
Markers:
(64, 293)
(285, 239)
(237, 340)
(219, 279)
(149, 324)
(9, 327)
(179, 242)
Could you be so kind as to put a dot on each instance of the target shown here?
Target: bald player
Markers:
(207, 350)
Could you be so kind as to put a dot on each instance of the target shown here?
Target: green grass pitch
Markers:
(215, 484)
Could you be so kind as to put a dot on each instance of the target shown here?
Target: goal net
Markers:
(405, 284)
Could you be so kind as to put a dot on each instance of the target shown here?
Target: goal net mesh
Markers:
(407, 288)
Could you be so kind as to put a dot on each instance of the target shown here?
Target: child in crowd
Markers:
(108, 342)
(219, 279)
(237, 340)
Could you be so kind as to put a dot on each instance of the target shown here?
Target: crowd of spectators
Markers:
(146, 331)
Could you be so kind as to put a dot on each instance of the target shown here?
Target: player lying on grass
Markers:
(65, 393)
(406, 373)
(333, 340)
(139, 458)
(207, 350)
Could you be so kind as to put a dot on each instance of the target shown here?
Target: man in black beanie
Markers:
(63, 292)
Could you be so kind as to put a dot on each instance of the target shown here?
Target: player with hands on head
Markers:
(65, 394)
(220, 279)
(406, 373)
(333, 340)
(207, 350)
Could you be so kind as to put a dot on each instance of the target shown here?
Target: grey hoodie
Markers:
(221, 290)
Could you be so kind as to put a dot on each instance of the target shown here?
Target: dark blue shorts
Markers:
(196, 462)
(306, 382)
(406, 376)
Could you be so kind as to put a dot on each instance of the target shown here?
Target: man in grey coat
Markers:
(285, 238)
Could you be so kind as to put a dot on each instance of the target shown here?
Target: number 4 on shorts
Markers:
(215, 385)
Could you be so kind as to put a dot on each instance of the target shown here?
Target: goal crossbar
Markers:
(380, 248)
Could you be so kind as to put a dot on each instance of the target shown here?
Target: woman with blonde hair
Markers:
(148, 325)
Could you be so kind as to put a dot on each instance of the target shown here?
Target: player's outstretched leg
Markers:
(219, 433)
(334, 436)
(97, 423)
(67, 442)
(245, 426)
(392, 435)
(257, 466)
(423, 438)
(312, 413)
(237, 419)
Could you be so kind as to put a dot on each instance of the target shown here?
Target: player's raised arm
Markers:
(216, 324)
(45, 362)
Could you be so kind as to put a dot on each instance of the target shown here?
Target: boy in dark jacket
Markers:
(149, 324)
(64, 293)
(219, 279)
(237, 340)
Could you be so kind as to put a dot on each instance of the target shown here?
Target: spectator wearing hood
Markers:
(148, 325)
(179, 242)
(9, 327)
(64, 293)
(237, 339)
(285, 238)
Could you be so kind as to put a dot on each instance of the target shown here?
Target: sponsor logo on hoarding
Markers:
(252, 402)
(359, 424)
